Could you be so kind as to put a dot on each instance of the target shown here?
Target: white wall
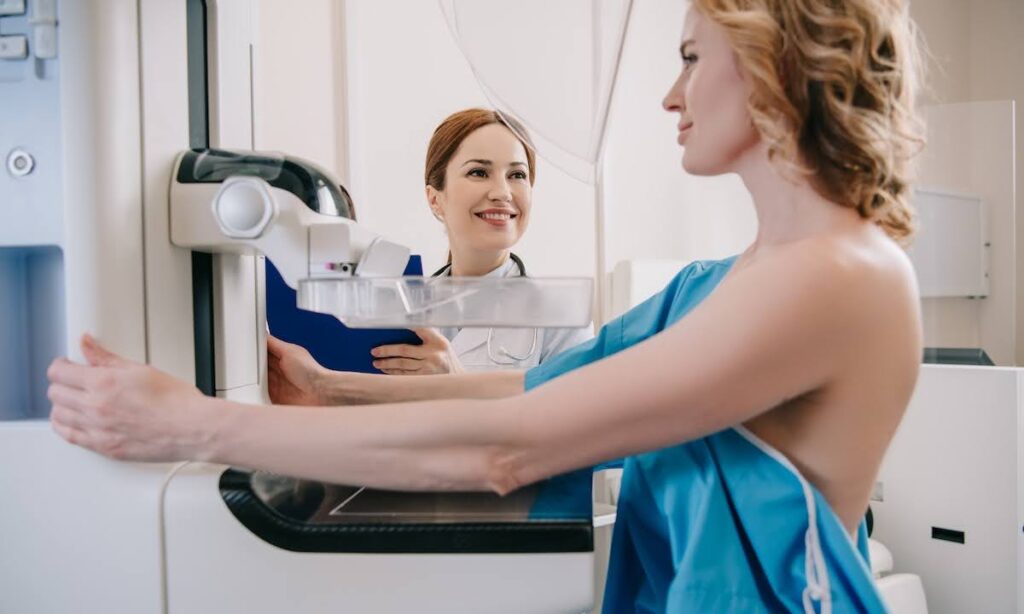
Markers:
(402, 74)
(654, 209)
(976, 55)
(299, 79)
(388, 72)
(970, 151)
(997, 73)
(941, 23)
(405, 76)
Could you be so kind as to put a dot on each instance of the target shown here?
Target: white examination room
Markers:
(544, 306)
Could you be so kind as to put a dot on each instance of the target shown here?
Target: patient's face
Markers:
(486, 201)
(710, 96)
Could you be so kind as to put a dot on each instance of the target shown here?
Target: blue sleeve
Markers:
(639, 323)
(606, 343)
(558, 340)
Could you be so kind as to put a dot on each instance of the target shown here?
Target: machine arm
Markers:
(282, 207)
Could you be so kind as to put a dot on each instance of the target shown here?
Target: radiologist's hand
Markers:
(125, 410)
(293, 375)
(433, 357)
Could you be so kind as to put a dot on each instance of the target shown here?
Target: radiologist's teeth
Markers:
(495, 216)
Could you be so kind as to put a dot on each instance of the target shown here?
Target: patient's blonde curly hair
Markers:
(833, 95)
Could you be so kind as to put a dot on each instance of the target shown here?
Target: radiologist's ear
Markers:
(433, 197)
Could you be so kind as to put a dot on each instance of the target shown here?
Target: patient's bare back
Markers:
(837, 433)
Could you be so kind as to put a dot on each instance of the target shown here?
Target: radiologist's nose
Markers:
(500, 190)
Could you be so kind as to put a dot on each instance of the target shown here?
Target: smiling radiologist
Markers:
(753, 398)
(479, 182)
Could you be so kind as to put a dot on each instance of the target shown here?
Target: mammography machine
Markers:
(133, 207)
(130, 209)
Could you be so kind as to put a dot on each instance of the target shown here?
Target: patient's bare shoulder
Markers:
(861, 274)
(857, 311)
(875, 275)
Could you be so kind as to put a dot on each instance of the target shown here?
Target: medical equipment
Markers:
(284, 208)
(406, 302)
(93, 125)
(903, 592)
(99, 220)
(507, 357)
(504, 356)
(949, 499)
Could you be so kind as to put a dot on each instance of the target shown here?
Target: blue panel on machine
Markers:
(32, 304)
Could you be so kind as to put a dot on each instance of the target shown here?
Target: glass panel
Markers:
(31, 327)
(565, 498)
(517, 302)
(580, 37)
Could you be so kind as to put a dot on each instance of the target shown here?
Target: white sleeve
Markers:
(560, 339)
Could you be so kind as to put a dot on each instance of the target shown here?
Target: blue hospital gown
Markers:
(724, 523)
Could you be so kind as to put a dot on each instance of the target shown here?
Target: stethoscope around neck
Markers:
(508, 358)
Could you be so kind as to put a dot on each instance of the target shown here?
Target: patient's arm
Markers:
(805, 320)
(295, 378)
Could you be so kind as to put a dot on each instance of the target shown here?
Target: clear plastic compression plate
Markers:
(403, 302)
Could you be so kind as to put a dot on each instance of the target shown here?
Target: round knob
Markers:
(20, 163)
(243, 208)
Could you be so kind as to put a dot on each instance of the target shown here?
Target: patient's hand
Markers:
(126, 410)
(293, 375)
(435, 356)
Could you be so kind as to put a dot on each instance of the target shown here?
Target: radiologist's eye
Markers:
(519, 175)
(689, 59)
(477, 172)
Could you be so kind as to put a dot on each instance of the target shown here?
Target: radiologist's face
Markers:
(485, 204)
(710, 96)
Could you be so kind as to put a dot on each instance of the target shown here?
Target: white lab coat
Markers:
(470, 344)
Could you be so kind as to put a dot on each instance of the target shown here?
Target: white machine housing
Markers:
(86, 534)
(245, 214)
(949, 502)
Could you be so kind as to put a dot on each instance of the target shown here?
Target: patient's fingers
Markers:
(399, 372)
(66, 396)
(69, 417)
(99, 356)
(75, 427)
(89, 438)
(68, 432)
(63, 371)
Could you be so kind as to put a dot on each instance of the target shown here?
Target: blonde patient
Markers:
(753, 399)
